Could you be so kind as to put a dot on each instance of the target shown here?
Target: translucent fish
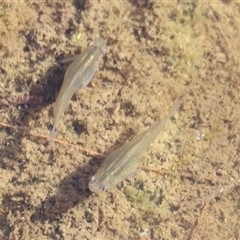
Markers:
(124, 161)
(77, 76)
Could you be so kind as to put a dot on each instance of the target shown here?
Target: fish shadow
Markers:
(71, 191)
(27, 108)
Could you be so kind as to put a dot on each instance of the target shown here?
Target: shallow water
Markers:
(156, 52)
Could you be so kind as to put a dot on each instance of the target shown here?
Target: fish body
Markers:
(77, 76)
(124, 161)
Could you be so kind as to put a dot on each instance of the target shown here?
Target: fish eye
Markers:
(92, 179)
(104, 188)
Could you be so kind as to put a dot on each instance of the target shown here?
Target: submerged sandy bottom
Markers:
(156, 52)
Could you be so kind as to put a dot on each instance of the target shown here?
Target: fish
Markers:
(78, 75)
(124, 161)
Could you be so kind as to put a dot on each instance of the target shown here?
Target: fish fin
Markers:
(52, 135)
(66, 60)
(132, 173)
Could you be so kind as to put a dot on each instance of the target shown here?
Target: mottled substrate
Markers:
(156, 52)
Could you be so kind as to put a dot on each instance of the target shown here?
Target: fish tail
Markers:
(175, 107)
(52, 135)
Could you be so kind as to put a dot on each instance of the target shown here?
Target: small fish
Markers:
(77, 76)
(124, 161)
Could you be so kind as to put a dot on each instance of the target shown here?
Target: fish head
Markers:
(100, 183)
